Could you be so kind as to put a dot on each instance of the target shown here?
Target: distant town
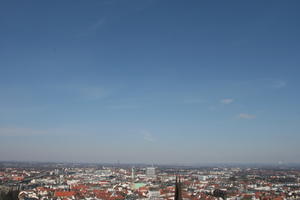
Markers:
(58, 181)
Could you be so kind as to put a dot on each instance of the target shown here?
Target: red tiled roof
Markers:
(64, 193)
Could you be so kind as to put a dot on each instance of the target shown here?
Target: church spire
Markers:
(177, 189)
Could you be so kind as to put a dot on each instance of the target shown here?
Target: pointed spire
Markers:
(178, 195)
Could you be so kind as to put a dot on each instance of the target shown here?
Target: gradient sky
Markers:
(150, 81)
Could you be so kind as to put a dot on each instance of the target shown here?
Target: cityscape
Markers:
(59, 181)
(149, 100)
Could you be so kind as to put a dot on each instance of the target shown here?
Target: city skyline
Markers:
(150, 81)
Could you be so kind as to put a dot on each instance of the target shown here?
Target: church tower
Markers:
(178, 195)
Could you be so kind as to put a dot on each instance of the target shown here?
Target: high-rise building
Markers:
(150, 172)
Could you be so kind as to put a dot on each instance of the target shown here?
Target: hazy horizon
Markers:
(150, 81)
(150, 164)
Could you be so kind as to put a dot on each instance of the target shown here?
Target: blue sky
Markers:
(186, 82)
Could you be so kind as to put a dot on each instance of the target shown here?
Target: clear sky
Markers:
(150, 81)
